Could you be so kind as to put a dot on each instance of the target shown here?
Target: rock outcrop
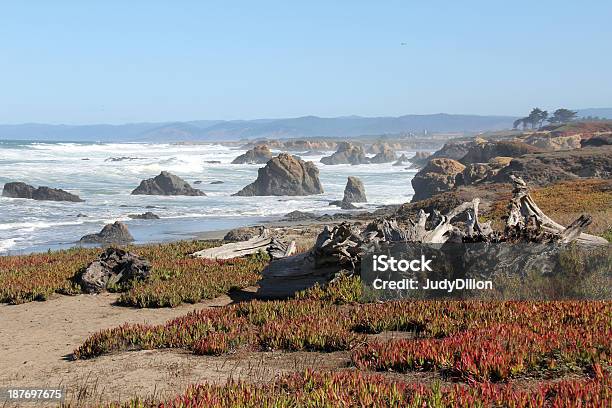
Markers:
(312, 153)
(455, 149)
(419, 159)
(479, 172)
(483, 152)
(386, 155)
(347, 153)
(114, 268)
(294, 145)
(166, 184)
(144, 216)
(285, 175)
(243, 234)
(378, 147)
(402, 160)
(551, 167)
(304, 145)
(354, 192)
(23, 190)
(549, 142)
(598, 140)
(437, 176)
(257, 155)
(299, 216)
(115, 233)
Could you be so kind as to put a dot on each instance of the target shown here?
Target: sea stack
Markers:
(386, 155)
(166, 184)
(258, 155)
(347, 153)
(354, 192)
(285, 175)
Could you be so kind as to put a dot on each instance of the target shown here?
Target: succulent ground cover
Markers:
(176, 278)
(466, 341)
(357, 389)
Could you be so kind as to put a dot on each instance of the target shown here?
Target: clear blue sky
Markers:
(129, 61)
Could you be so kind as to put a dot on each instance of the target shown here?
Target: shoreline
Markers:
(278, 225)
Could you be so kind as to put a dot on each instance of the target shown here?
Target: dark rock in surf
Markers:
(258, 155)
(402, 160)
(23, 190)
(122, 158)
(145, 216)
(386, 155)
(347, 153)
(166, 184)
(354, 192)
(285, 175)
(111, 233)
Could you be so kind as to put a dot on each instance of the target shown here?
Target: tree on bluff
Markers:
(563, 116)
(536, 119)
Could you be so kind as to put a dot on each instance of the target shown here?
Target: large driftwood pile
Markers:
(340, 248)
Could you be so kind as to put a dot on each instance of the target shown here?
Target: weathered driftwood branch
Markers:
(275, 248)
(527, 221)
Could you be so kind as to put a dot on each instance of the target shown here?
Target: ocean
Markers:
(85, 169)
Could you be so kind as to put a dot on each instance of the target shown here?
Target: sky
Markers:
(84, 62)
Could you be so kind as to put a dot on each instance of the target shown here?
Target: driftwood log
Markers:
(339, 250)
(263, 243)
(527, 221)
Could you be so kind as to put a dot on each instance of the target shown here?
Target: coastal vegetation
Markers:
(537, 117)
(462, 340)
(478, 352)
(359, 389)
(176, 278)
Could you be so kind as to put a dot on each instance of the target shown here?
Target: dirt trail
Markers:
(36, 340)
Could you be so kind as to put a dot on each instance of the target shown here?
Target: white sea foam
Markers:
(7, 244)
(105, 185)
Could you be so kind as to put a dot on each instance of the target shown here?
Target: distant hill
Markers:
(604, 113)
(307, 126)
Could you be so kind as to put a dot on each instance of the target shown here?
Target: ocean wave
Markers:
(36, 225)
(106, 186)
(6, 244)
